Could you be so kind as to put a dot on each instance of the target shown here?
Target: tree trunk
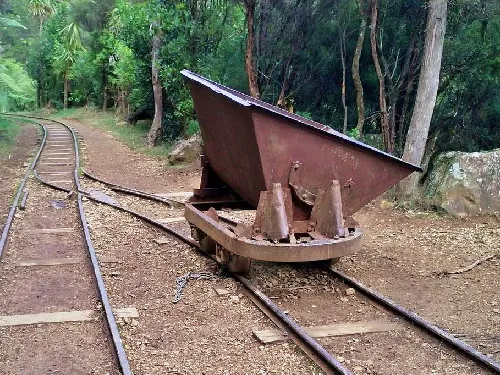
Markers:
(285, 86)
(342, 57)
(412, 71)
(426, 92)
(250, 68)
(155, 130)
(360, 104)
(384, 117)
(104, 100)
(66, 88)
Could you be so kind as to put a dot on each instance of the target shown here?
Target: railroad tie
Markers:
(64, 317)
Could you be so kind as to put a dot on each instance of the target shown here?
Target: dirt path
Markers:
(111, 160)
(12, 167)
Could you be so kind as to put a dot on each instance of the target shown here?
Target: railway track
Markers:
(301, 336)
(53, 299)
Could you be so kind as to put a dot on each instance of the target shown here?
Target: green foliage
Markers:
(17, 90)
(468, 106)
(354, 133)
(193, 128)
(104, 48)
(8, 133)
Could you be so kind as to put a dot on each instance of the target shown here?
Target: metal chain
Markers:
(181, 282)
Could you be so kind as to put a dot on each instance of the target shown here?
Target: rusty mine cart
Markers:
(305, 180)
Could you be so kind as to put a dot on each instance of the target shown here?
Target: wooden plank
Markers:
(55, 173)
(55, 317)
(108, 259)
(162, 240)
(220, 290)
(168, 220)
(177, 194)
(57, 164)
(126, 312)
(342, 329)
(49, 230)
(63, 317)
(61, 261)
(48, 262)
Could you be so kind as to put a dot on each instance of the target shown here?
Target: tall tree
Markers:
(250, 65)
(155, 130)
(41, 10)
(360, 103)
(72, 44)
(426, 92)
(387, 132)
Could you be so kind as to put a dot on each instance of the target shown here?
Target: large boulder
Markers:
(466, 183)
(186, 150)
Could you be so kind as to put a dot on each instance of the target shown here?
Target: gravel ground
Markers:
(12, 168)
(403, 254)
(203, 333)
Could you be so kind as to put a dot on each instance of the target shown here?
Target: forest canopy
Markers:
(310, 57)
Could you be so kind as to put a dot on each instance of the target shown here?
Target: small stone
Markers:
(343, 299)
(220, 290)
(341, 359)
(358, 368)
(350, 291)
(497, 311)
(234, 299)
(385, 205)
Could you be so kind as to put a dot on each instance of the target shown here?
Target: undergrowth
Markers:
(9, 131)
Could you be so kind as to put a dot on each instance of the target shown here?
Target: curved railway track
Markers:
(56, 163)
(297, 333)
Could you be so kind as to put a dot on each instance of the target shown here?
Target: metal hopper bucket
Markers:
(256, 149)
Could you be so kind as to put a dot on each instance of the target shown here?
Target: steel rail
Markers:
(413, 317)
(110, 318)
(332, 363)
(13, 208)
(407, 314)
(127, 190)
(419, 321)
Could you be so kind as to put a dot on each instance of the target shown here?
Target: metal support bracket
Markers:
(326, 216)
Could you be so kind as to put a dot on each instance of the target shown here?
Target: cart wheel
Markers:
(234, 263)
(239, 264)
(325, 264)
(207, 244)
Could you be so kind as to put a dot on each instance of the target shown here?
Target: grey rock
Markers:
(465, 183)
(186, 150)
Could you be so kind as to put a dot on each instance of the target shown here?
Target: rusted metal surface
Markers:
(252, 145)
(269, 251)
(304, 178)
(326, 215)
(274, 213)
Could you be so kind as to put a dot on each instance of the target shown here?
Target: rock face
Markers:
(466, 183)
(186, 150)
